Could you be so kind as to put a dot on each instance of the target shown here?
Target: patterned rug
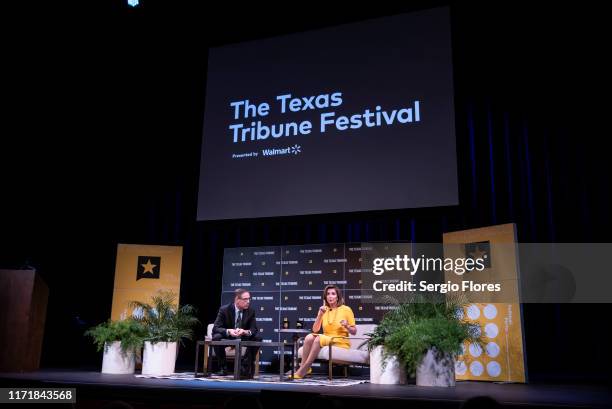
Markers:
(263, 378)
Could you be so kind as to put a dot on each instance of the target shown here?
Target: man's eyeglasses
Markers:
(245, 299)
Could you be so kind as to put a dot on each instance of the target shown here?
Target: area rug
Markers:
(264, 378)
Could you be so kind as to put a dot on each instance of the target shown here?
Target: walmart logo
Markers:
(290, 150)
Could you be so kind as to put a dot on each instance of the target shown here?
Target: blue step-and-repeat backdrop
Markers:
(286, 285)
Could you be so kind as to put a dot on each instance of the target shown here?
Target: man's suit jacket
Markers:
(226, 319)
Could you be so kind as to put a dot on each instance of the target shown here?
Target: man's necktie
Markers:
(238, 320)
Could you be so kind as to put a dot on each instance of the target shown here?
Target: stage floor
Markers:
(94, 385)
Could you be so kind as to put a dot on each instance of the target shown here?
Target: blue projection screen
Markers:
(351, 118)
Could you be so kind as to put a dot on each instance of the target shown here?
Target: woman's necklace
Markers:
(331, 319)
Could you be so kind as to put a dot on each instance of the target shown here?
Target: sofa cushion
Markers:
(343, 355)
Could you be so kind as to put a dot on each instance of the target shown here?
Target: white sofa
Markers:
(357, 354)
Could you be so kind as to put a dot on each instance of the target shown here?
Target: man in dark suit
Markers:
(237, 320)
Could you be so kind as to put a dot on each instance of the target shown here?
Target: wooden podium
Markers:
(23, 309)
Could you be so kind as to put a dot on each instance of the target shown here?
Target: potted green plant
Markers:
(121, 341)
(167, 325)
(424, 336)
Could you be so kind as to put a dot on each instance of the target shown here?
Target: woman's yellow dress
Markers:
(332, 327)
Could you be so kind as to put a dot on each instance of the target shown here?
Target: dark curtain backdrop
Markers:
(103, 144)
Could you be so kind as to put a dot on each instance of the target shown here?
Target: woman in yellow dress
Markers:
(337, 320)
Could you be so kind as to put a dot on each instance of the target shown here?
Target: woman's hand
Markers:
(322, 309)
(344, 323)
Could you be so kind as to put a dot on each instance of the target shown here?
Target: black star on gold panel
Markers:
(148, 267)
(481, 249)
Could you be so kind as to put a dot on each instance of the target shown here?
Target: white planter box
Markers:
(159, 358)
(392, 374)
(115, 361)
(436, 370)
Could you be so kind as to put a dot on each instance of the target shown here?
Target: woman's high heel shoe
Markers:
(296, 376)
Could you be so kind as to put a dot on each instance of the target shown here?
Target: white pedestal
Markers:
(436, 370)
(393, 373)
(115, 361)
(159, 358)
